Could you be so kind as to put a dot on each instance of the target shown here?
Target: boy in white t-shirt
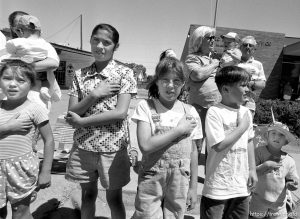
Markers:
(30, 47)
(230, 166)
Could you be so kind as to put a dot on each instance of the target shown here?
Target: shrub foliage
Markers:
(287, 112)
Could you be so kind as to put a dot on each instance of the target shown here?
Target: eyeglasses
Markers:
(248, 45)
(176, 83)
(210, 38)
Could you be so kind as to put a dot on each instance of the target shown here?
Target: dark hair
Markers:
(20, 68)
(230, 75)
(166, 65)
(11, 19)
(163, 54)
(109, 28)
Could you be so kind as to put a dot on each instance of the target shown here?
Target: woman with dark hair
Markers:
(168, 133)
(12, 20)
(98, 106)
(167, 53)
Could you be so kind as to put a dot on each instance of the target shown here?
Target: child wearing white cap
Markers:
(232, 54)
(276, 171)
(30, 47)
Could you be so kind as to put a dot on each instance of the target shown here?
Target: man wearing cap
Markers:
(254, 67)
(31, 47)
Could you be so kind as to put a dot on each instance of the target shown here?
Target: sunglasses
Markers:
(248, 45)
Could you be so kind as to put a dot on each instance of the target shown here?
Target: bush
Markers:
(287, 112)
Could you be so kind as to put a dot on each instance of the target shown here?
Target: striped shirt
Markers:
(13, 145)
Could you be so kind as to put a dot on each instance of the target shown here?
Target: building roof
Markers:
(292, 49)
(291, 40)
(59, 47)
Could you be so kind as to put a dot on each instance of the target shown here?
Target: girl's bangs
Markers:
(168, 67)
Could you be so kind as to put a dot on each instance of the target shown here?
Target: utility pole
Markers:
(216, 10)
(81, 32)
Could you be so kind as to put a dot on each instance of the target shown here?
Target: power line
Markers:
(67, 38)
(63, 28)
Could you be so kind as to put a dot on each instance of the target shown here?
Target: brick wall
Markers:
(268, 51)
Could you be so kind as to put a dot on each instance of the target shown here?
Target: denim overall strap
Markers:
(176, 153)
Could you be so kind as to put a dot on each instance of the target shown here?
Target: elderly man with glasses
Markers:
(254, 67)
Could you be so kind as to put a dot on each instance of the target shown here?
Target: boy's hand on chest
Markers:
(273, 165)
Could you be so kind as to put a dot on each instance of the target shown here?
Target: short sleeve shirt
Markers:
(227, 171)
(168, 117)
(204, 93)
(109, 137)
(255, 68)
(19, 144)
(27, 47)
(271, 185)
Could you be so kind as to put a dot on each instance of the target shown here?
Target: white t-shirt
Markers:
(34, 49)
(255, 69)
(2, 44)
(227, 171)
(168, 117)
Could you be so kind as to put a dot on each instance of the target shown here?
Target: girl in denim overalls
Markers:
(168, 133)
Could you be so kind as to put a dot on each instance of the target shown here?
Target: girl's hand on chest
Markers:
(105, 88)
(19, 124)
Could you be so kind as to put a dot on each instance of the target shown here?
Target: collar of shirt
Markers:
(91, 71)
(250, 60)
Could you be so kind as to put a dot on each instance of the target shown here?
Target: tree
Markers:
(138, 70)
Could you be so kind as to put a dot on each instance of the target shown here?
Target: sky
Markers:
(147, 27)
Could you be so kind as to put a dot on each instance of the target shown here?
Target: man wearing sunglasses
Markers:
(254, 67)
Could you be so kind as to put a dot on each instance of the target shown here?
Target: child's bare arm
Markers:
(47, 64)
(102, 90)
(192, 193)
(292, 178)
(267, 166)
(149, 143)
(198, 71)
(194, 163)
(252, 166)
(45, 173)
(119, 113)
(235, 135)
